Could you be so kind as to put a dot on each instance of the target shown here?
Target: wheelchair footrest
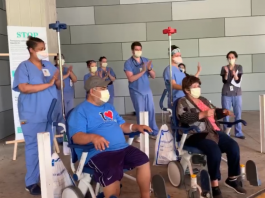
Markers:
(252, 173)
(198, 159)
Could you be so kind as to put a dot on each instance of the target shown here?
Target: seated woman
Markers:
(194, 110)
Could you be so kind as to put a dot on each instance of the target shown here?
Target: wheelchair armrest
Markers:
(85, 148)
(132, 134)
(230, 124)
(187, 129)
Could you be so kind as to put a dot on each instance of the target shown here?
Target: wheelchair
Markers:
(83, 174)
(187, 155)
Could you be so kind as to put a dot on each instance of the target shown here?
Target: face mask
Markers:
(232, 61)
(195, 92)
(182, 70)
(58, 62)
(104, 64)
(177, 60)
(137, 54)
(42, 55)
(93, 69)
(104, 95)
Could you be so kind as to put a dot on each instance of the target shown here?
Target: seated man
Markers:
(194, 110)
(97, 122)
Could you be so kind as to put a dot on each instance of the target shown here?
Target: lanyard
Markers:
(134, 61)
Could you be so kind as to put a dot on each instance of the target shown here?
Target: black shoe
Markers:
(34, 189)
(241, 137)
(217, 192)
(235, 185)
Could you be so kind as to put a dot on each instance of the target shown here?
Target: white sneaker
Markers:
(137, 139)
(152, 137)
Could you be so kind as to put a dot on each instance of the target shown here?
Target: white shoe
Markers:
(137, 139)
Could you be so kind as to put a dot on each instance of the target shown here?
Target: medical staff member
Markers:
(36, 80)
(231, 91)
(69, 79)
(177, 76)
(138, 69)
(92, 69)
(182, 68)
(107, 73)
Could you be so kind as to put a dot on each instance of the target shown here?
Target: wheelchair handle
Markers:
(162, 100)
(49, 116)
(230, 124)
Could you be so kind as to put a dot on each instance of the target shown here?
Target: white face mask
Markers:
(104, 64)
(104, 95)
(93, 69)
(58, 62)
(137, 54)
(42, 55)
(177, 60)
(182, 69)
(232, 61)
(195, 92)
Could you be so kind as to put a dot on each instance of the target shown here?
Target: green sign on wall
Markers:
(26, 34)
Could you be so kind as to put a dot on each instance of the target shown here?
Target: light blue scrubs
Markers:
(140, 92)
(110, 86)
(33, 109)
(69, 95)
(178, 76)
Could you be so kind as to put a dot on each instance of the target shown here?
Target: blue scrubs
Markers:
(178, 76)
(140, 92)
(33, 109)
(110, 86)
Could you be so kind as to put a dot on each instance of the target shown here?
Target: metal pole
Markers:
(262, 122)
(170, 67)
(61, 72)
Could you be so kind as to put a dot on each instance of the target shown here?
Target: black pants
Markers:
(214, 152)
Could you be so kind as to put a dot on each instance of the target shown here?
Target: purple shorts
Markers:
(108, 166)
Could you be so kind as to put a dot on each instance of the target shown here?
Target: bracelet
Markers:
(131, 128)
(150, 69)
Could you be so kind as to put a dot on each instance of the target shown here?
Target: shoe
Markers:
(137, 139)
(216, 192)
(152, 137)
(241, 137)
(235, 185)
(34, 189)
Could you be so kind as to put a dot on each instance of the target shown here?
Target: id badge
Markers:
(46, 72)
(141, 69)
(231, 88)
(71, 83)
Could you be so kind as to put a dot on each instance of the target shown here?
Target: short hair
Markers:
(231, 52)
(134, 44)
(188, 81)
(174, 47)
(55, 57)
(88, 62)
(101, 58)
(32, 42)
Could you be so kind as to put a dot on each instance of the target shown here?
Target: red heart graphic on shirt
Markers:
(108, 114)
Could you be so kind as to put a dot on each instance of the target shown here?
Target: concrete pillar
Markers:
(34, 13)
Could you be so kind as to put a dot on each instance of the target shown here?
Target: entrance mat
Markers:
(259, 194)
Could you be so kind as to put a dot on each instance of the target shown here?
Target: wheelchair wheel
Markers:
(72, 192)
(175, 173)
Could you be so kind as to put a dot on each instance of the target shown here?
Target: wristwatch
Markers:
(150, 69)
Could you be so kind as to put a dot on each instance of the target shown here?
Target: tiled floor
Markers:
(12, 172)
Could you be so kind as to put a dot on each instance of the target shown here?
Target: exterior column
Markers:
(34, 13)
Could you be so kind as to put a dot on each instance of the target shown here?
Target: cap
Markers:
(95, 81)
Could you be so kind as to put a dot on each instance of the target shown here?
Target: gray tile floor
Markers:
(12, 172)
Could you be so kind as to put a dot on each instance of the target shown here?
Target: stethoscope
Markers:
(137, 64)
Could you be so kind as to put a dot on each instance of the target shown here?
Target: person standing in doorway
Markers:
(92, 69)
(107, 73)
(231, 91)
(138, 69)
